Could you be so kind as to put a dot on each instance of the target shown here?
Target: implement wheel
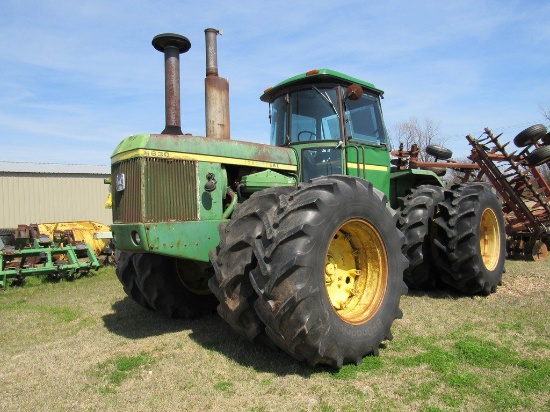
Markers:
(174, 287)
(439, 152)
(536, 250)
(415, 221)
(539, 156)
(7, 236)
(469, 242)
(233, 260)
(330, 276)
(530, 135)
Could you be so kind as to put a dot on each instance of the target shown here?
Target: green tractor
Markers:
(306, 244)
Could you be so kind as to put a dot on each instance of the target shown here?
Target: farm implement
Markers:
(56, 250)
(523, 190)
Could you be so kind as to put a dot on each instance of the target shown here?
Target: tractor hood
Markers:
(205, 149)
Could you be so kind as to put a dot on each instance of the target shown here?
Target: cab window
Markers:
(364, 121)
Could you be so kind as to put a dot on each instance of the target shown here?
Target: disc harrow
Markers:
(515, 176)
(524, 191)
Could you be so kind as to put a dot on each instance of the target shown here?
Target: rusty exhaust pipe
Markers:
(216, 91)
(172, 45)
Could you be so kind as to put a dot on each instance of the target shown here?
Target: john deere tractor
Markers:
(305, 244)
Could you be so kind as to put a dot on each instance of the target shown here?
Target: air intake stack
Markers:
(216, 91)
(172, 45)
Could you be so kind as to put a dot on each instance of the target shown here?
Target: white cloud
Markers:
(84, 74)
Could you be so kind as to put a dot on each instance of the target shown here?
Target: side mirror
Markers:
(354, 92)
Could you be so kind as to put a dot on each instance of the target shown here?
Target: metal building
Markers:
(47, 192)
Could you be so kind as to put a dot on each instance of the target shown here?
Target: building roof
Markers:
(28, 167)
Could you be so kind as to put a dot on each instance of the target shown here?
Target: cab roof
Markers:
(315, 77)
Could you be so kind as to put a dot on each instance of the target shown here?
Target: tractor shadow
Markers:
(210, 332)
(442, 293)
(133, 321)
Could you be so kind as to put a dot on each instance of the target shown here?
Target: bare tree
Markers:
(413, 131)
(545, 110)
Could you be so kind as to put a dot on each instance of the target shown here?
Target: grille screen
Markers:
(157, 190)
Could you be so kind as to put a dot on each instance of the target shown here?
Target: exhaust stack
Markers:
(172, 45)
(216, 91)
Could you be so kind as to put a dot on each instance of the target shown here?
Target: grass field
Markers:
(85, 346)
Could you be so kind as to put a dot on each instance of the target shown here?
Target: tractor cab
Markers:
(333, 121)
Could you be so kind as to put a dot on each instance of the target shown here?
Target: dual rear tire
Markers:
(455, 237)
(416, 215)
(469, 239)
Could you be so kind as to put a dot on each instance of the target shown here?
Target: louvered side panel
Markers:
(128, 203)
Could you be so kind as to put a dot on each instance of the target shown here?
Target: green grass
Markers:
(113, 372)
(84, 345)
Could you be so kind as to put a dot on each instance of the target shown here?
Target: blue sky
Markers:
(78, 77)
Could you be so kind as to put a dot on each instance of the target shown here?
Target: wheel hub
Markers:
(194, 276)
(489, 239)
(356, 271)
(340, 284)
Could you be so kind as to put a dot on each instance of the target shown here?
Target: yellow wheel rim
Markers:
(193, 276)
(489, 239)
(356, 271)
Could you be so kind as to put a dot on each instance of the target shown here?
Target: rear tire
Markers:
(469, 244)
(165, 286)
(233, 260)
(330, 277)
(415, 221)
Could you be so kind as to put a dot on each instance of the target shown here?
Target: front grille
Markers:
(157, 190)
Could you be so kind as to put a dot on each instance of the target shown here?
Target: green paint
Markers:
(210, 203)
(322, 75)
(165, 146)
(188, 240)
(402, 181)
(265, 179)
(359, 159)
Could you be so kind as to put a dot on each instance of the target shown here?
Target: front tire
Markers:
(330, 277)
(126, 274)
(174, 287)
(233, 260)
(470, 244)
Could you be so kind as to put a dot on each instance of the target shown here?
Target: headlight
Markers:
(135, 238)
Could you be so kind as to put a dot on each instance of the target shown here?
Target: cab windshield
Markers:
(314, 115)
